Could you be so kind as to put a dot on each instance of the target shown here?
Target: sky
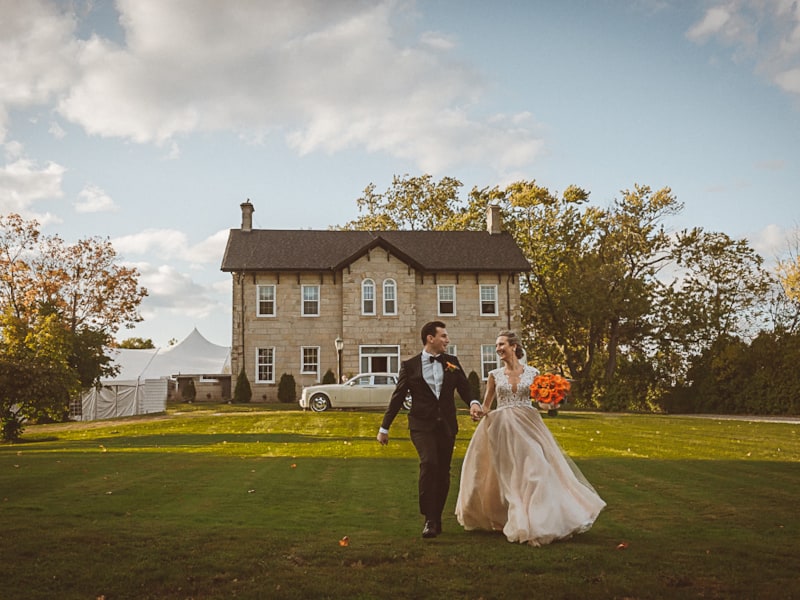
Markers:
(148, 122)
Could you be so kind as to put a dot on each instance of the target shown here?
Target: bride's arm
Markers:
(488, 397)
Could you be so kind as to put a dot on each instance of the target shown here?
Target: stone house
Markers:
(307, 301)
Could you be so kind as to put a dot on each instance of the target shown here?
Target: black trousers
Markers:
(435, 449)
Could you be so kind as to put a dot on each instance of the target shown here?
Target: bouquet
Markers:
(549, 390)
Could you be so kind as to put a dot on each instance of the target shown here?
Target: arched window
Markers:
(368, 297)
(389, 297)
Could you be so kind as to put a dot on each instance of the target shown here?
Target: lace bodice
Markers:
(505, 394)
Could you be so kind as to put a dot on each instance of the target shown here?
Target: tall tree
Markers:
(36, 377)
(410, 203)
(136, 343)
(80, 284)
(719, 290)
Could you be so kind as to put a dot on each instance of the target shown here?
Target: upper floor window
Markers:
(489, 359)
(310, 301)
(265, 301)
(488, 299)
(447, 299)
(368, 297)
(389, 297)
(265, 365)
(309, 360)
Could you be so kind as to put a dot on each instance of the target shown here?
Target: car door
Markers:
(382, 390)
(358, 392)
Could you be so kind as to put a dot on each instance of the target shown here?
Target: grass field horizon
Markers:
(252, 502)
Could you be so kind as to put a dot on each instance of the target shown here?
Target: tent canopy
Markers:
(195, 355)
(140, 386)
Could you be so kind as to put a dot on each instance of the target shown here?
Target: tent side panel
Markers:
(155, 396)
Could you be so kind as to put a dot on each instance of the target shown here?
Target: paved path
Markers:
(756, 418)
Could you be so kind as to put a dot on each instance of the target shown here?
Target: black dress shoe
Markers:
(429, 531)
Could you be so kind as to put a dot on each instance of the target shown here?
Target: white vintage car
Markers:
(365, 390)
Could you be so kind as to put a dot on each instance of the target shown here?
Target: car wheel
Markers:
(319, 403)
(407, 402)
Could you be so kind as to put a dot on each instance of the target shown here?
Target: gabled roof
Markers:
(310, 250)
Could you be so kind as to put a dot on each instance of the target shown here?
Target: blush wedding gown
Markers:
(516, 479)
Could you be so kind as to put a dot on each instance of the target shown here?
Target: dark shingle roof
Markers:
(309, 250)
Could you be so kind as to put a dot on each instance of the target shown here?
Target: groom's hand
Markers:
(383, 438)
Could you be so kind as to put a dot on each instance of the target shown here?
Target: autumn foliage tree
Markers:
(79, 288)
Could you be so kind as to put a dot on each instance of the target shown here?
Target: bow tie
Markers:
(438, 357)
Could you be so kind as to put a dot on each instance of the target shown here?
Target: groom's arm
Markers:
(395, 404)
(465, 391)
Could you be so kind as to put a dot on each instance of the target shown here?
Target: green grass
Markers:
(251, 502)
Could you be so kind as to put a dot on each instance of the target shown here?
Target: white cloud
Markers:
(94, 199)
(173, 292)
(172, 244)
(329, 76)
(39, 37)
(23, 183)
(765, 33)
(712, 23)
(789, 81)
(57, 131)
(770, 242)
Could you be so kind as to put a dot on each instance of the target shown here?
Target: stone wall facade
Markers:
(287, 331)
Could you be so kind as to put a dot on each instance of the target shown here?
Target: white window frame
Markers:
(439, 299)
(389, 295)
(368, 297)
(303, 300)
(259, 288)
(489, 360)
(487, 287)
(267, 364)
(306, 364)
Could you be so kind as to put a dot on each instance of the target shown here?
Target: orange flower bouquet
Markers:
(549, 390)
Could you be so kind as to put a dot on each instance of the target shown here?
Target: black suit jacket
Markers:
(426, 410)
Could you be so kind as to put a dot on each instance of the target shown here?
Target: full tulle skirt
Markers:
(516, 479)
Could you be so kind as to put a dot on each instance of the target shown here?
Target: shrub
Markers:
(329, 377)
(475, 385)
(287, 389)
(242, 394)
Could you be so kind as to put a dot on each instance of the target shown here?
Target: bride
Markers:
(515, 478)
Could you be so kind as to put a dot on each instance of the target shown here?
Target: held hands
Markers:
(475, 411)
(383, 438)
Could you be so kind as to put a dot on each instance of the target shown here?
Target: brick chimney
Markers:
(494, 222)
(247, 215)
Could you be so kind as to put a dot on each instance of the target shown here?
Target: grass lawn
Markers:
(253, 502)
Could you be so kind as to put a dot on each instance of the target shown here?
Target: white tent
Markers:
(141, 385)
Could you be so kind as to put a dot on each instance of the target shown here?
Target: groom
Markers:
(431, 377)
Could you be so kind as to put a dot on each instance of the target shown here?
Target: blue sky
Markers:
(148, 121)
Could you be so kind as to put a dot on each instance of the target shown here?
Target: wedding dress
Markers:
(516, 478)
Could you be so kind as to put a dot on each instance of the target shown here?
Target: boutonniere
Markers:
(450, 367)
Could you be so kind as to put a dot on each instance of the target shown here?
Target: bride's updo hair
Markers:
(513, 340)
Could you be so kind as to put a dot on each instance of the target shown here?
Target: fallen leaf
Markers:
(345, 541)
(622, 545)
(294, 466)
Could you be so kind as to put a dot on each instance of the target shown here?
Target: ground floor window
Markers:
(489, 360)
(265, 365)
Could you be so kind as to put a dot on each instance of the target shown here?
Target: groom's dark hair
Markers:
(430, 329)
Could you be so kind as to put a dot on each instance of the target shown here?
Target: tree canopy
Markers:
(60, 305)
(615, 299)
